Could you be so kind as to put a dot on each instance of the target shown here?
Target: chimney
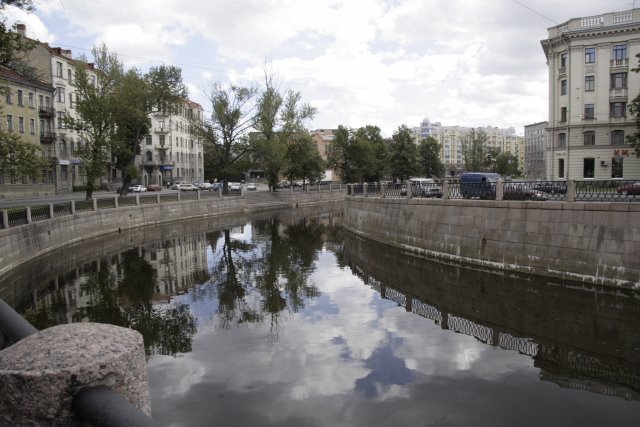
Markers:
(21, 29)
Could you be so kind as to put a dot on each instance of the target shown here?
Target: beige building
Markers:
(451, 140)
(25, 106)
(591, 82)
(171, 152)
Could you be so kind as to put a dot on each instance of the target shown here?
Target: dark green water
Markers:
(286, 320)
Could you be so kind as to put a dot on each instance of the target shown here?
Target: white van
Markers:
(425, 187)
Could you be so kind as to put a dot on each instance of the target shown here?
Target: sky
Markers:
(359, 62)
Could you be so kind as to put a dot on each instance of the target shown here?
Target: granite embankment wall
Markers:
(22, 243)
(588, 242)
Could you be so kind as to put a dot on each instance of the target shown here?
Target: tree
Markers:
(303, 160)
(225, 133)
(374, 153)
(404, 154)
(429, 157)
(506, 164)
(96, 112)
(20, 158)
(337, 158)
(474, 150)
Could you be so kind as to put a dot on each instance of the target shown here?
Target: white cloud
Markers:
(465, 62)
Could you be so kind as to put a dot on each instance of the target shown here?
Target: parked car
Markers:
(251, 186)
(154, 187)
(138, 188)
(423, 187)
(551, 187)
(215, 186)
(284, 184)
(513, 191)
(478, 184)
(177, 183)
(630, 188)
(234, 186)
(187, 187)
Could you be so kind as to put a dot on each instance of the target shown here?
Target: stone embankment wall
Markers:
(22, 243)
(589, 242)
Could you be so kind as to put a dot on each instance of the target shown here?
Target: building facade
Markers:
(591, 82)
(452, 139)
(172, 152)
(26, 110)
(535, 150)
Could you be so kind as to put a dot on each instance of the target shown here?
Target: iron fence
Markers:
(169, 197)
(127, 201)
(17, 217)
(106, 203)
(148, 199)
(40, 213)
(84, 206)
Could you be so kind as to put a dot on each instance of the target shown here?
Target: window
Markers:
(149, 140)
(20, 100)
(63, 147)
(617, 137)
(589, 138)
(616, 167)
(21, 124)
(161, 138)
(161, 124)
(589, 83)
(61, 94)
(562, 140)
(563, 60)
(619, 51)
(31, 100)
(7, 94)
(59, 69)
(149, 156)
(590, 55)
(9, 122)
(588, 167)
(618, 109)
(69, 76)
(619, 81)
(589, 111)
(563, 87)
(60, 120)
(71, 100)
(32, 126)
(563, 114)
(560, 168)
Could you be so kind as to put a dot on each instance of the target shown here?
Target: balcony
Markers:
(45, 111)
(620, 63)
(162, 130)
(156, 161)
(619, 95)
(47, 137)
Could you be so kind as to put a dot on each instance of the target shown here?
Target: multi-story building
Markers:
(535, 150)
(172, 152)
(591, 82)
(26, 110)
(56, 67)
(452, 139)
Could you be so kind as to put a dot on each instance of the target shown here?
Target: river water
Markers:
(287, 320)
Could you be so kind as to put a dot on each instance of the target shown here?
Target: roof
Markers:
(6, 73)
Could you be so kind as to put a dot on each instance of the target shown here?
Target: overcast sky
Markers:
(359, 62)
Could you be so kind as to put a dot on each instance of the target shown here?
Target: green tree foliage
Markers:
(507, 164)
(13, 46)
(359, 155)
(303, 160)
(404, 154)
(280, 125)
(474, 150)
(20, 158)
(429, 158)
(96, 113)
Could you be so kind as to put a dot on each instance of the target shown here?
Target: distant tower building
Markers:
(591, 82)
(535, 150)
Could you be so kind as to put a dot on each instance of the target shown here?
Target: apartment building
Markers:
(535, 150)
(591, 82)
(25, 108)
(323, 138)
(452, 138)
(172, 151)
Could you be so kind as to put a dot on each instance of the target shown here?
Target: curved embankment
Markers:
(587, 242)
(22, 243)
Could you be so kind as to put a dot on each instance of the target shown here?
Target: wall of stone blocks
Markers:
(588, 242)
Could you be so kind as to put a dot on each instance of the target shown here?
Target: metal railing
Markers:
(613, 190)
